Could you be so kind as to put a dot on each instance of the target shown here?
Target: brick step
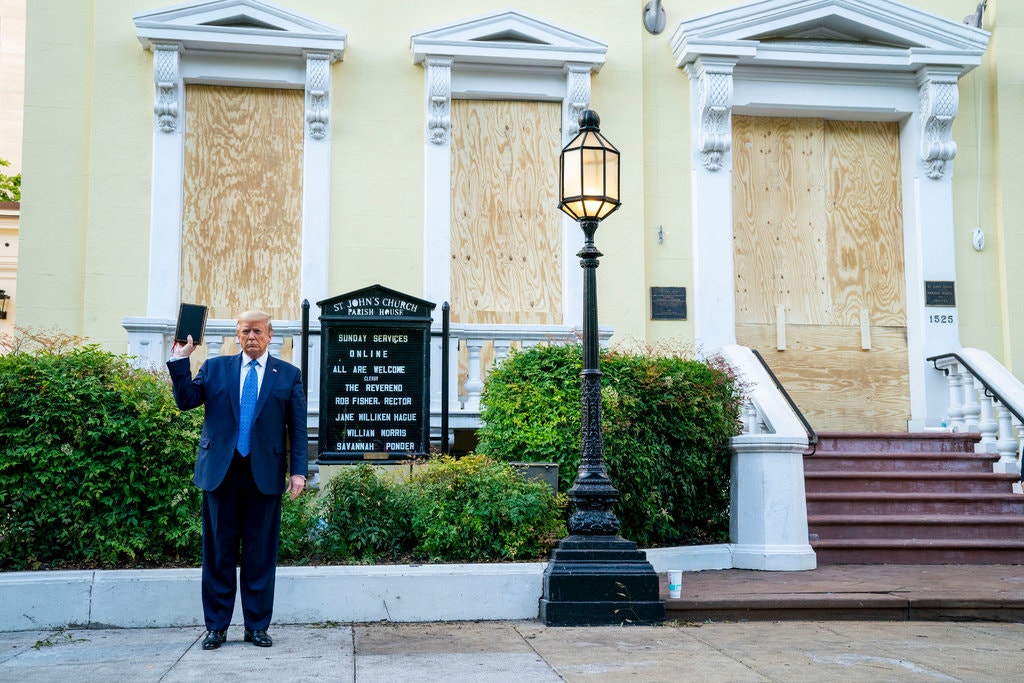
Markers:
(915, 503)
(909, 482)
(899, 442)
(900, 462)
(918, 551)
(934, 527)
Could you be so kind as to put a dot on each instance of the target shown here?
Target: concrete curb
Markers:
(156, 598)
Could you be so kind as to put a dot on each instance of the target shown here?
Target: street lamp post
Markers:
(594, 576)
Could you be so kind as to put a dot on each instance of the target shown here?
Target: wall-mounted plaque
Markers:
(374, 376)
(940, 293)
(668, 303)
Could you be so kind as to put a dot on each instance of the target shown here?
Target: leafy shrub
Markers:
(366, 517)
(470, 509)
(298, 530)
(476, 508)
(666, 423)
(95, 461)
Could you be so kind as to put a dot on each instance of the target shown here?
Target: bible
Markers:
(191, 320)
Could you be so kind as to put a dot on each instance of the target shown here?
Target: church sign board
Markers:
(374, 376)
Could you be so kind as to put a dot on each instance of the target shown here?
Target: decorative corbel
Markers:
(318, 93)
(167, 77)
(714, 86)
(577, 98)
(439, 99)
(940, 100)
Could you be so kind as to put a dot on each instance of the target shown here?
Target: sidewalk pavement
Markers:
(913, 623)
(528, 652)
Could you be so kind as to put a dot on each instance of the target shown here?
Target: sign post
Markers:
(374, 376)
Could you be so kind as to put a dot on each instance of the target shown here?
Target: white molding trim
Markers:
(501, 55)
(871, 60)
(246, 43)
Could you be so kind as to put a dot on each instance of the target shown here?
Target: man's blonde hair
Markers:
(254, 316)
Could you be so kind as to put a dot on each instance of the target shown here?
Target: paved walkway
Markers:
(755, 645)
(526, 652)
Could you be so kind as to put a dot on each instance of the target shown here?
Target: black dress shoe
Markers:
(214, 639)
(258, 638)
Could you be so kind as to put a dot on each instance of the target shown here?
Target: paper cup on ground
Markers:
(675, 583)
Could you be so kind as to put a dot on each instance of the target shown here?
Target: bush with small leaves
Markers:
(667, 421)
(95, 461)
(365, 517)
(477, 508)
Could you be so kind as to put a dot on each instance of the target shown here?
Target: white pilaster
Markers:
(166, 193)
(316, 177)
(437, 172)
(714, 299)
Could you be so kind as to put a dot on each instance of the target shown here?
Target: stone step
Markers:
(909, 482)
(900, 462)
(915, 503)
(918, 551)
(935, 442)
(933, 527)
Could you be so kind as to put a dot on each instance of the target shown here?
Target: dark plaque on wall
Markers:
(668, 303)
(374, 376)
(940, 293)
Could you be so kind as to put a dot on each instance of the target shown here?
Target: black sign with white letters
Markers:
(374, 376)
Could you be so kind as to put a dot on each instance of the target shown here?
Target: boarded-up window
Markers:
(242, 204)
(505, 230)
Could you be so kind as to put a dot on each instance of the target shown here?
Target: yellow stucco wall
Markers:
(88, 161)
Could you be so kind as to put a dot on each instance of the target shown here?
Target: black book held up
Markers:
(191, 320)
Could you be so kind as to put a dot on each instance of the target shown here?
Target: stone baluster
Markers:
(501, 348)
(955, 411)
(986, 423)
(749, 418)
(971, 406)
(276, 343)
(214, 344)
(1018, 429)
(474, 381)
(1007, 443)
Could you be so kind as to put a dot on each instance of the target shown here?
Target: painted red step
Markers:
(900, 462)
(917, 527)
(914, 551)
(915, 503)
(921, 442)
(908, 482)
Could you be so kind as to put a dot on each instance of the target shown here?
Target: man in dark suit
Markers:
(254, 433)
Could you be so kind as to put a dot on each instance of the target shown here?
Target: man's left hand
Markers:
(296, 484)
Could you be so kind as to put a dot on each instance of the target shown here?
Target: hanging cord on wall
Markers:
(976, 20)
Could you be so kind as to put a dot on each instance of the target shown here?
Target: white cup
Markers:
(675, 583)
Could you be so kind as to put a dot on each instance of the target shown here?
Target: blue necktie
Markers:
(247, 408)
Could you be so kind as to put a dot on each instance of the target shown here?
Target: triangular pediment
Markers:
(839, 33)
(508, 37)
(238, 25)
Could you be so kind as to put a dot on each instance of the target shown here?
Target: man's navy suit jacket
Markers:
(278, 443)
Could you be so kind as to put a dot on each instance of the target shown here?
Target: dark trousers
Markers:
(241, 527)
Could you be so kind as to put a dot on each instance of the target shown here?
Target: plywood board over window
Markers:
(820, 285)
(505, 229)
(242, 204)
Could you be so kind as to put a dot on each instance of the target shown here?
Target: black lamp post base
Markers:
(600, 581)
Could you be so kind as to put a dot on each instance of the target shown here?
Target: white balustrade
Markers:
(984, 396)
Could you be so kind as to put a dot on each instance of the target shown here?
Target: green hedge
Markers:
(95, 463)
(667, 422)
(466, 510)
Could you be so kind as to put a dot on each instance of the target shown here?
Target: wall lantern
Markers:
(4, 298)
